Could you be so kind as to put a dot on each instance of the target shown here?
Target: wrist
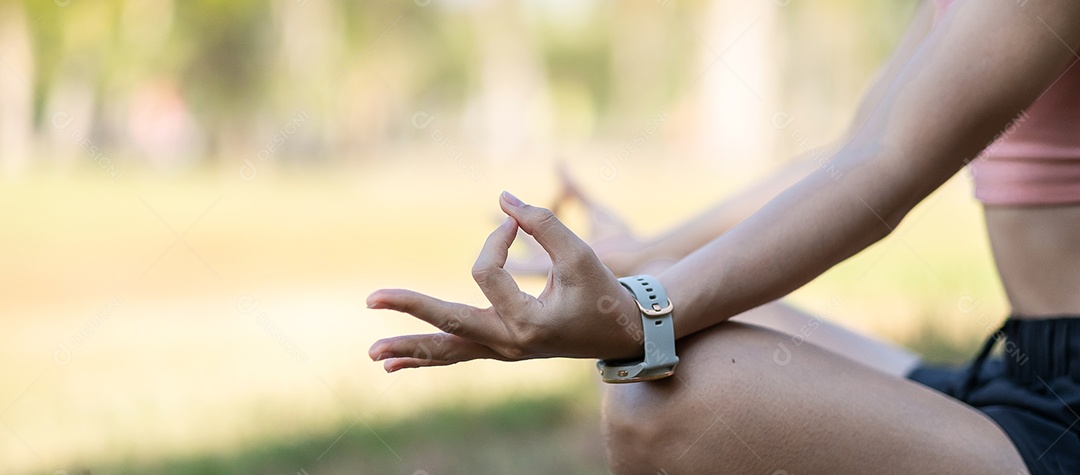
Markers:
(653, 337)
(629, 327)
(688, 319)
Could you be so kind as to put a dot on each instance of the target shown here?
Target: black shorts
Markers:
(1032, 390)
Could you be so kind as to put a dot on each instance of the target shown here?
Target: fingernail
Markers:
(372, 303)
(512, 200)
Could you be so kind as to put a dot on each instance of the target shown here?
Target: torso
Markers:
(1029, 183)
(1037, 251)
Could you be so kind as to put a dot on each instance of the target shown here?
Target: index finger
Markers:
(454, 318)
(540, 223)
(488, 272)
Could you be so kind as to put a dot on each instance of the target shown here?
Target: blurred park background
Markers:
(196, 197)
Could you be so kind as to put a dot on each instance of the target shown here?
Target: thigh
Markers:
(735, 407)
(806, 328)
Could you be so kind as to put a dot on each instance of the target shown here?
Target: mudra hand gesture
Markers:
(583, 311)
(607, 233)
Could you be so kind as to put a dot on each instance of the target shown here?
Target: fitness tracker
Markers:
(658, 333)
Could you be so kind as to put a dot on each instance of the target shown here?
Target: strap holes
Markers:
(659, 323)
(652, 297)
(648, 289)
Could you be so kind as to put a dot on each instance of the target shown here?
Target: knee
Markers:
(637, 425)
(665, 428)
(676, 424)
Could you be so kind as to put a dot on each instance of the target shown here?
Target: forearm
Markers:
(830, 215)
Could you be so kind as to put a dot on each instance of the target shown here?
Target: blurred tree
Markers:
(226, 49)
(147, 78)
(16, 88)
(738, 91)
(511, 104)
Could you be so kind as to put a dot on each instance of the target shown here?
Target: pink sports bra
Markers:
(1036, 160)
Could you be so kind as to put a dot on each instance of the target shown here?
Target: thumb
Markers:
(559, 242)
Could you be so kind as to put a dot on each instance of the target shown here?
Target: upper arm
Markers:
(919, 27)
(980, 65)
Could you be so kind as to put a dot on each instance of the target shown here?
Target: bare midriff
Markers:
(1037, 251)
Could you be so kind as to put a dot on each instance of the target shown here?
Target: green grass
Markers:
(557, 433)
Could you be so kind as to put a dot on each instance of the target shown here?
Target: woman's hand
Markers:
(582, 312)
(608, 234)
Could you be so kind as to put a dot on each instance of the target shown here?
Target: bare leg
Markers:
(734, 406)
(805, 328)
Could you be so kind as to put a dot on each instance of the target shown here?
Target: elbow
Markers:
(879, 221)
(891, 219)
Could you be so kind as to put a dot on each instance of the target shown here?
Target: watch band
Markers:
(658, 331)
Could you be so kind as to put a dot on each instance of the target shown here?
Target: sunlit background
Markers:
(197, 196)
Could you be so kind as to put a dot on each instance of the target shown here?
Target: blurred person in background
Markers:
(988, 85)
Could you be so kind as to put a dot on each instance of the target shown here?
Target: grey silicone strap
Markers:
(658, 332)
